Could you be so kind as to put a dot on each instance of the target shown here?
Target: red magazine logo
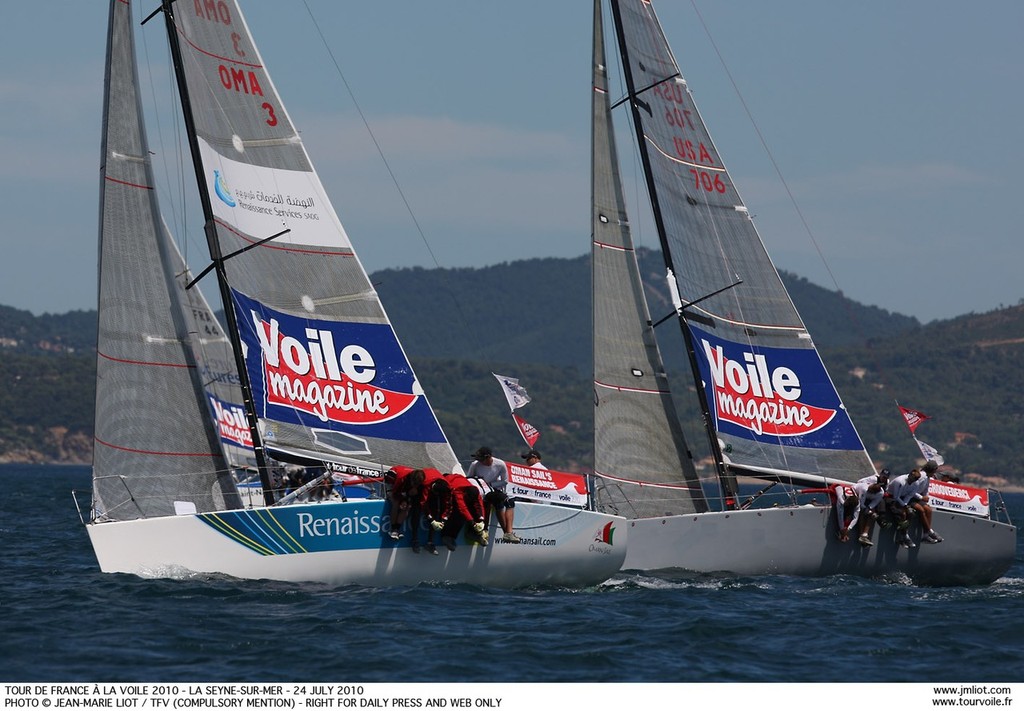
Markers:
(231, 422)
(762, 399)
(311, 375)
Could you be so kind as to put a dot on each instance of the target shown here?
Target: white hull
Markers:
(342, 543)
(802, 541)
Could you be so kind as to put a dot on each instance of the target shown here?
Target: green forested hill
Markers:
(538, 310)
(964, 373)
(23, 332)
(531, 320)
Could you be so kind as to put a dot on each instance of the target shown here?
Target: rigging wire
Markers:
(796, 206)
(764, 144)
(394, 179)
(373, 137)
(179, 217)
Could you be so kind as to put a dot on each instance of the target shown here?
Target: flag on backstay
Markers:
(913, 418)
(528, 431)
(930, 452)
(514, 392)
(517, 397)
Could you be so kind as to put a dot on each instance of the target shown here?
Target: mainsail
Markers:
(637, 435)
(330, 381)
(154, 443)
(770, 403)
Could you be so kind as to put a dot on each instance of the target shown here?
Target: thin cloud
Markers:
(908, 179)
(459, 173)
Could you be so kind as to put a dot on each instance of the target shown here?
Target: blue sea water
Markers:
(63, 620)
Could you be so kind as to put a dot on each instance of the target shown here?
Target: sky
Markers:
(892, 169)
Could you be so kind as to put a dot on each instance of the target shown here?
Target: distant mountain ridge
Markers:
(23, 332)
(538, 310)
(531, 319)
(533, 311)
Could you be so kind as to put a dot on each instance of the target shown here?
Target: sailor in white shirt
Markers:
(872, 505)
(847, 509)
(494, 471)
(910, 493)
(533, 460)
(881, 477)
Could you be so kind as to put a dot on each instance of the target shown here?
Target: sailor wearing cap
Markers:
(494, 472)
(533, 459)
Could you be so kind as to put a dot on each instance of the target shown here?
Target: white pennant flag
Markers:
(514, 392)
(929, 452)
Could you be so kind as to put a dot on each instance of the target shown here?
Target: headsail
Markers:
(216, 365)
(772, 403)
(154, 444)
(330, 380)
(637, 436)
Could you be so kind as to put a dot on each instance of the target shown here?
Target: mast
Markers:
(210, 229)
(726, 480)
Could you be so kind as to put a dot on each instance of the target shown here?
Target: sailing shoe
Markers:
(864, 540)
(510, 538)
(448, 542)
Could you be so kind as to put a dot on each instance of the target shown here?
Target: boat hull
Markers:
(802, 541)
(341, 543)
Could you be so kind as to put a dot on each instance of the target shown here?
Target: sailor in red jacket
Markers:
(453, 501)
(408, 495)
(429, 477)
(406, 490)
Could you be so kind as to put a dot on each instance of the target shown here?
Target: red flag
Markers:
(913, 417)
(528, 431)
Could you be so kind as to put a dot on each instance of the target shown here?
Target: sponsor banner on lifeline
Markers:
(956, 497)
(546, 485)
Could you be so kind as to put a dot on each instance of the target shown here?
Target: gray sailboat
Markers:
(770, 410)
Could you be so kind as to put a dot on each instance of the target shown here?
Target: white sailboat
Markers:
(318, 372)
(770, 410)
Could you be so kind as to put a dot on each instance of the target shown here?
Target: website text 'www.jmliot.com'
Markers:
(972, 695)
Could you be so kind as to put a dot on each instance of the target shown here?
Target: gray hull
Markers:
(802, 541)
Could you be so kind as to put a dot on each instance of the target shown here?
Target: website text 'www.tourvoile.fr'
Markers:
(972, 695)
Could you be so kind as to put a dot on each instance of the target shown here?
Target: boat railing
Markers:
(769, 497)
(773, 495)
(75, 494)
(997, 507)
